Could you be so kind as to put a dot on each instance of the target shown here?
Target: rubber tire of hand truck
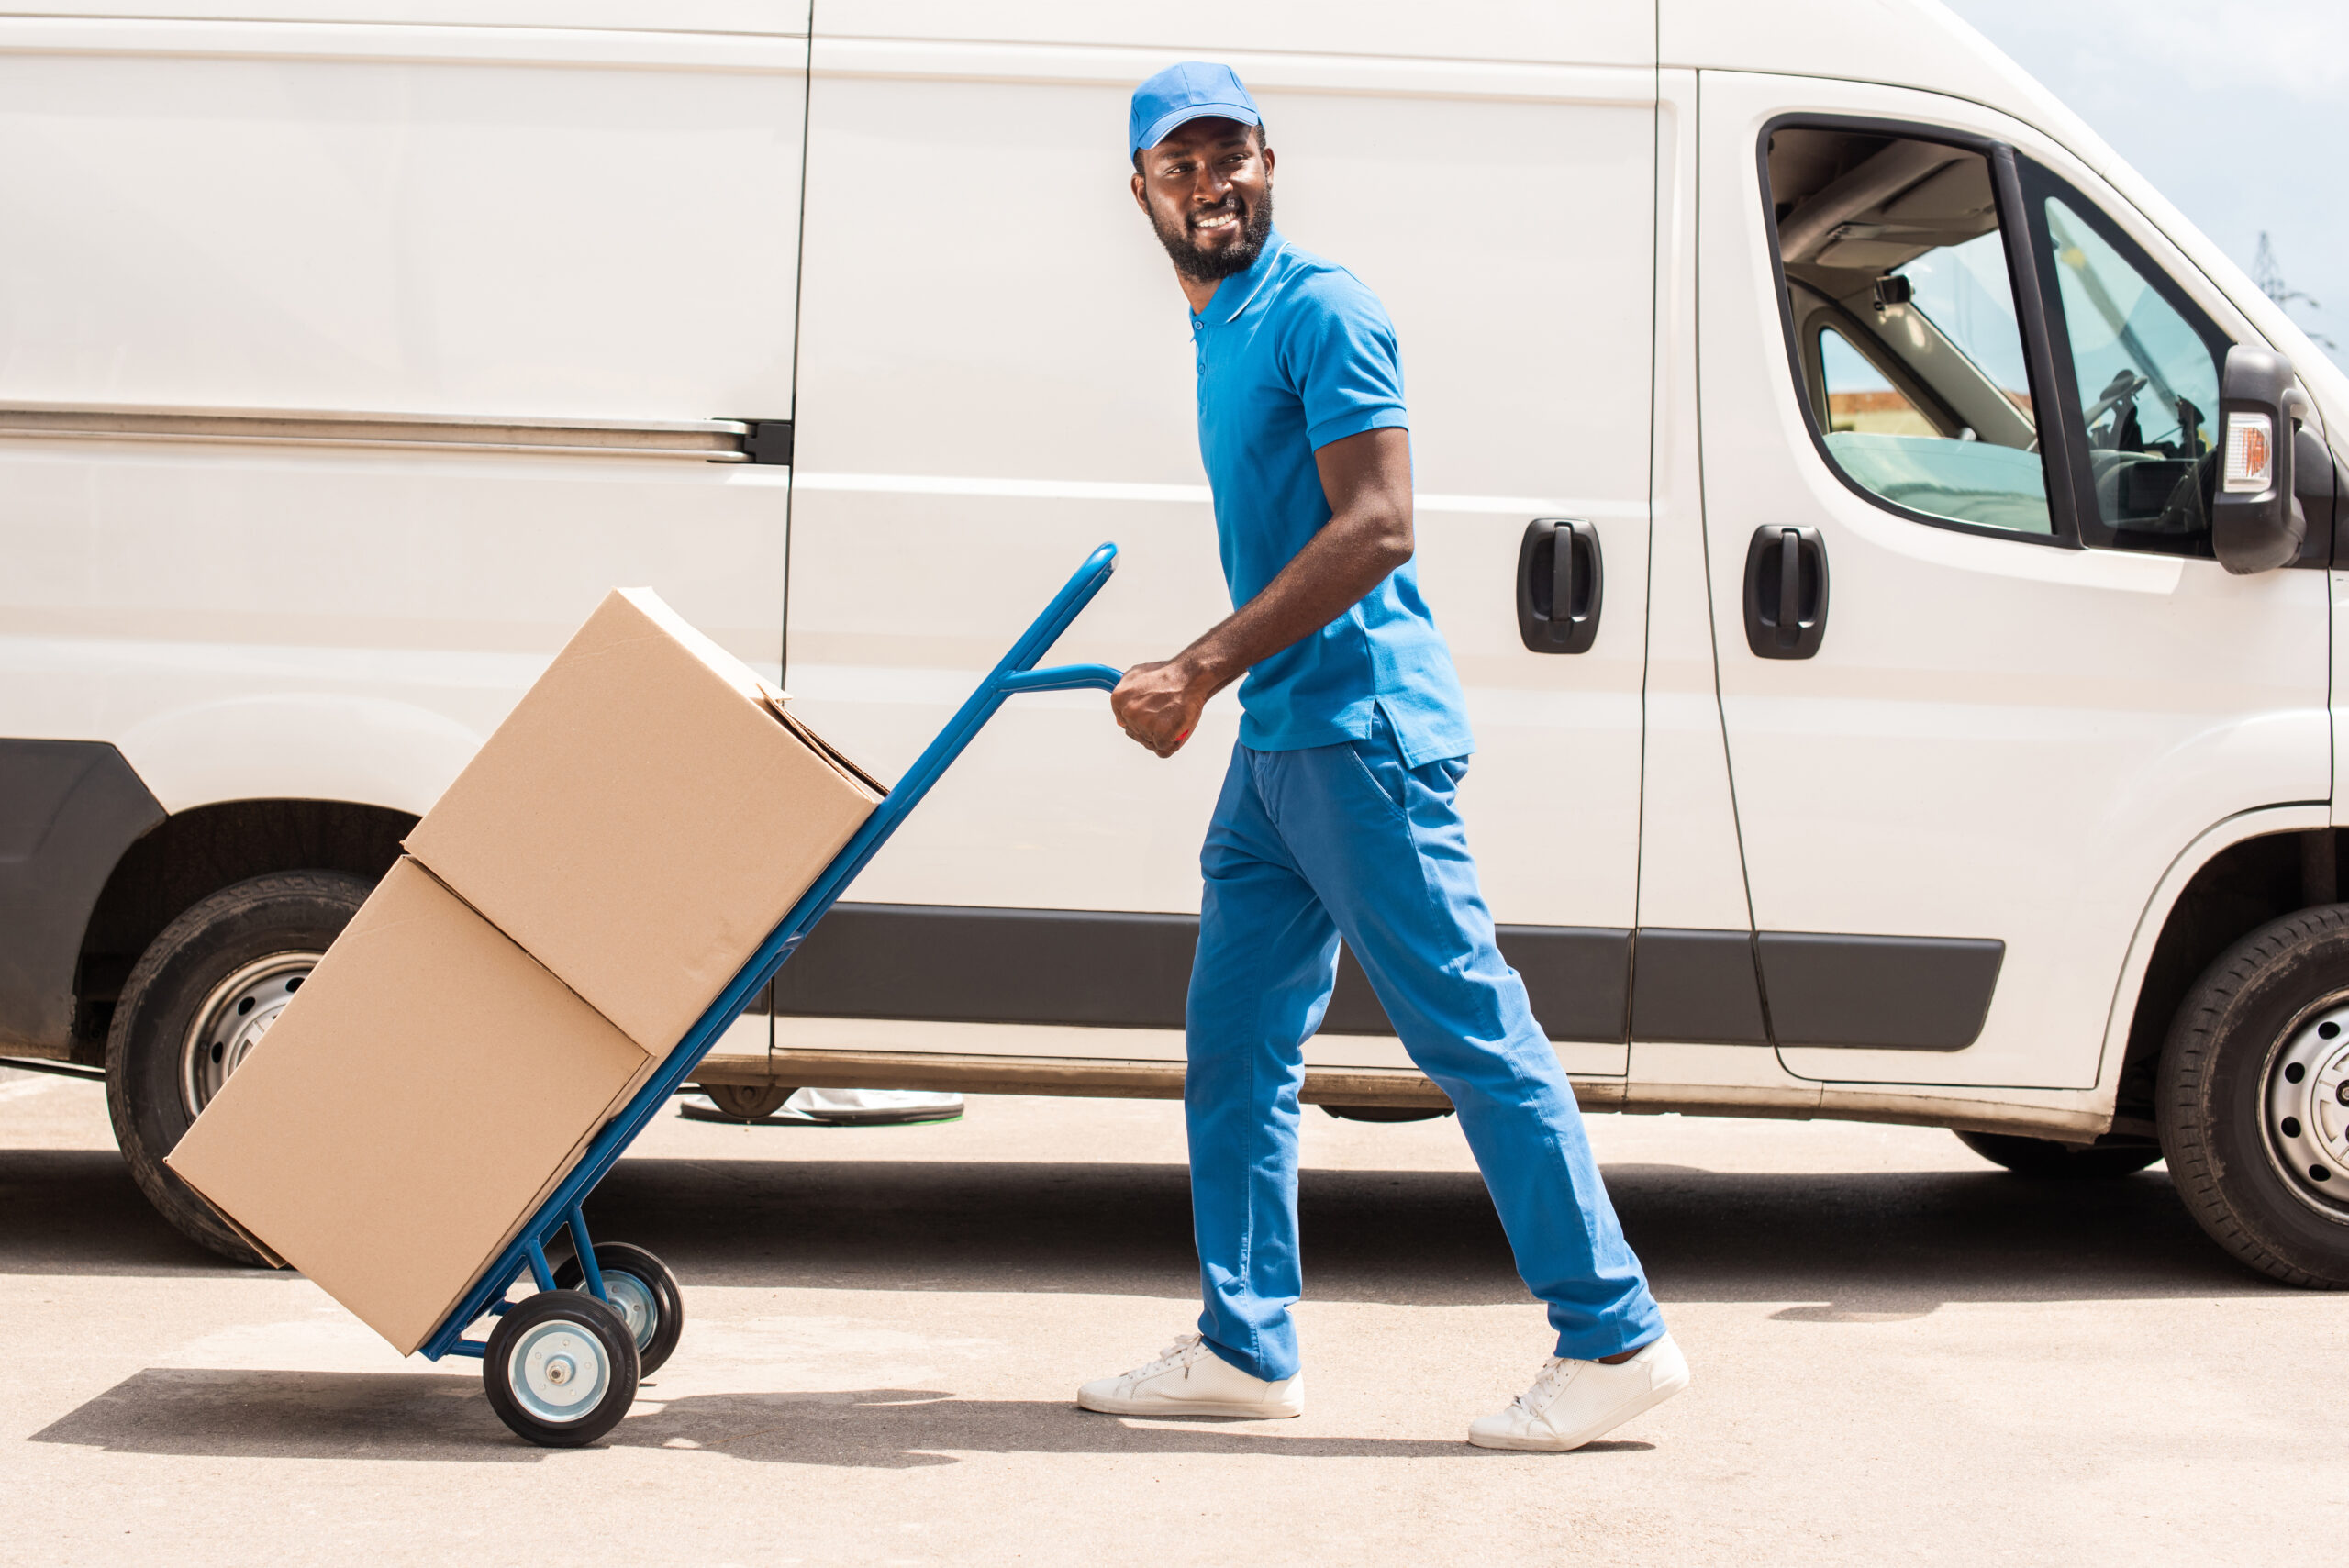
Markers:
(659, 1340)
(556, 1311)
(289, 913)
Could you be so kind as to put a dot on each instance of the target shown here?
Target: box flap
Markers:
(779, 703)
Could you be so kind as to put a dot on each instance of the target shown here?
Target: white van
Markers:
(350, 350)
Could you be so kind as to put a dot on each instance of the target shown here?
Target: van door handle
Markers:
(1561, 584)
(1785, 593)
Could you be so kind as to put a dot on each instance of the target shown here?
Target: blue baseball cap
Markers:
(1194, 90)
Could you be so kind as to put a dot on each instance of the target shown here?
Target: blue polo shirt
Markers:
(1295, 354)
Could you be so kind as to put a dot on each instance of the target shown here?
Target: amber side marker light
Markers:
(2251, 454)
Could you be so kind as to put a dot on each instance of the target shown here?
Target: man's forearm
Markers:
(1367, 478)
(1343, 563)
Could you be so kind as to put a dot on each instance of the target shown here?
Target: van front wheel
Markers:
(2252, 1102)
(200, 997)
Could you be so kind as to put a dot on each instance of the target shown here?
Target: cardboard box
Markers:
(642, 820)
(647, 815)
(415, 1102)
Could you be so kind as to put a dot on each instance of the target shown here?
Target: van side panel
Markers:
(414, 220)
(336, 625)
(1530, 30)
(474, 223)
(788, 16)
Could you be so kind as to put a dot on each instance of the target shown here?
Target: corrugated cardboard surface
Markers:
(643, 819)
(419, 1097)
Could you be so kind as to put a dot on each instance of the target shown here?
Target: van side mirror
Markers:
(2257, 524)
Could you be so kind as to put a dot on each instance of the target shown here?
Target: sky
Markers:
(2238, 111)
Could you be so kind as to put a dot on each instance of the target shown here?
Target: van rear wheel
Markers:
(2252, 1101)
(199, 999)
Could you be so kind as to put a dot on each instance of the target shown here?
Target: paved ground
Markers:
(1900, 1355)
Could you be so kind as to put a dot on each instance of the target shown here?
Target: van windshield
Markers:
(2146, 380)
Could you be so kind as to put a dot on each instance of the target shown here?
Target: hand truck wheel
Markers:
(644, 1293)
(559, 1369)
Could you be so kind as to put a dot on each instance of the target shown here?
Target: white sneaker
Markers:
(1189, 1379)
(1573, 1402)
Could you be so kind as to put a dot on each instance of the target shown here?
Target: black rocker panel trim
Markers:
(1578, 977)
(1697, 987)
(68, 809)
(992, 966)
(1126, 970)
(1878, 992)
(1101, 970)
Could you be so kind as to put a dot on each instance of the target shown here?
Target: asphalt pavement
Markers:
(1900, 1354)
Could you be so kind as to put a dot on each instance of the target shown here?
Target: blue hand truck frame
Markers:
(563, 1211)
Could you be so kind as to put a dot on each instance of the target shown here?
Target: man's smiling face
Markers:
(1208, 191)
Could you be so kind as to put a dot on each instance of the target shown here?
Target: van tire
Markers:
(2240, 1032)
(2043, 1159)
(275, 918)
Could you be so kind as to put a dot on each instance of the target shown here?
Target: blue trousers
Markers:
(1310, 846)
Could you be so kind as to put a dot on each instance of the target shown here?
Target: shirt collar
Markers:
(1244, 286)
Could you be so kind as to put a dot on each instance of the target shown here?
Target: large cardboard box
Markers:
(646, 815)
(417, 1099)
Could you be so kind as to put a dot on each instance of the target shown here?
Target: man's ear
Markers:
(1142, 198)
(1267, 151)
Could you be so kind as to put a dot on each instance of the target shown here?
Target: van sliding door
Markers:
(996, 375)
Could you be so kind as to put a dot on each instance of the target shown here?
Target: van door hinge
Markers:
(768, 441)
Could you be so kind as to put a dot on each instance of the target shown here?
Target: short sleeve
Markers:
(1341, 356)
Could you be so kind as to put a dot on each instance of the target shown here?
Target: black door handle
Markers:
(1785, 593)
(1560, 582)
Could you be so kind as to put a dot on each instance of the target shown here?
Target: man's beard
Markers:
(1205, 266)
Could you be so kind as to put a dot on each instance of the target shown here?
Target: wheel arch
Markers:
(194, 854)
(2239, 876)
(307, 746)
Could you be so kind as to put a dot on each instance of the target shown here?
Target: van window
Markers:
(1904, 308)
(2146, 386)
(1859, 398)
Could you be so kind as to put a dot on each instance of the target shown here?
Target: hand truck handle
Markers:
(1045, 630)
(1063, 678)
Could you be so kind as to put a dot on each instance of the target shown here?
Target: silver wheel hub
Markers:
(557, 1371)
(632, 1299)
(232, 1020)
(2308, 1109)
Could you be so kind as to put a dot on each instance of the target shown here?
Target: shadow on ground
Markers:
(411, 1415)
(1852, 1247)
(1839, 1248)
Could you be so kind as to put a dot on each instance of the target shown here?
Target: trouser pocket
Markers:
(1381, 761)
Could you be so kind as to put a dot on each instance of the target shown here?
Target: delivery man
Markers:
(1337, 817)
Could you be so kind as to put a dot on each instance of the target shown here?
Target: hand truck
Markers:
(562, 1365)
